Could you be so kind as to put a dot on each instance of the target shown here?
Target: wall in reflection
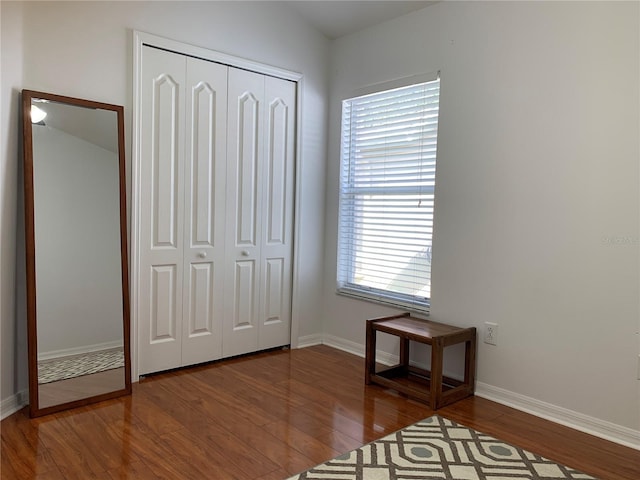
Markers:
(79, 295)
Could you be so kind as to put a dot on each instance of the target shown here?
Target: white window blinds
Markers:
(387, 180)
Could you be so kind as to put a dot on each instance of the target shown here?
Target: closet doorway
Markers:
(213, 213)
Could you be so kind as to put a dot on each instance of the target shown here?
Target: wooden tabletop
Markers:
(415, 326)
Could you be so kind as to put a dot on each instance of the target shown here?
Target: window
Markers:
(387, 181)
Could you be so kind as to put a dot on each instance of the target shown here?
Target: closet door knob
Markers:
(202, 254)
(245, 253)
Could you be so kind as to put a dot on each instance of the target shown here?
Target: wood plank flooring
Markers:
(263, 417)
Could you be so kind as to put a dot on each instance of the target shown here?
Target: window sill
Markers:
(422, 310)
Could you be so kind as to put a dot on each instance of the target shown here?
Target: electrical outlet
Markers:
(491, 333)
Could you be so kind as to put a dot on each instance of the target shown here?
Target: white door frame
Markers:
(140, 39)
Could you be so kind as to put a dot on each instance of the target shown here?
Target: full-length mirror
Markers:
(75, 218)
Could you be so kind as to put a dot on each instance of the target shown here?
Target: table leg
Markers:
(435, 396)
(470, 363)
(370, 354)
(404, 353)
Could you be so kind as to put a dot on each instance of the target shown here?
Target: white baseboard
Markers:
(344, 345)
(388, 359)
(384, 358)
(569, 418)
(15, 402)
(359, 350)
(309, 341)
(79, 350)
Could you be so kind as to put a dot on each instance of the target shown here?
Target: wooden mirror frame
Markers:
(27, 97)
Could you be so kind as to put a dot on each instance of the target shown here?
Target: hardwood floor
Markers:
(266, 417)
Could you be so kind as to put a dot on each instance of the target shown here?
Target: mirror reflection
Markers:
(78, 320)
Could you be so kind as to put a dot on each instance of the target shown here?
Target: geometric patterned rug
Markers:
(439, 448)
(79, 365)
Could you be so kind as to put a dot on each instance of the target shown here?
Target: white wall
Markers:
(13, 354)
(537, 196)
(85, 49)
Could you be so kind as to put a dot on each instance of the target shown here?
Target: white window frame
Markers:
(345, 283)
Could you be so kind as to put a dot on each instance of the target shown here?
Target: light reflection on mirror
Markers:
(37, 114)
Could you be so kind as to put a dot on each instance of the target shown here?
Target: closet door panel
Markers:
(163, 303)
(277, 235)
(165, 150)
(205, 171)
(244, 220)
(201, 193)
(275, 291)
(246, 161)
(161, 220)
(276, 192)
(245, 282)
(200, 302)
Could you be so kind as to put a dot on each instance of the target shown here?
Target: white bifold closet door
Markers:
(216, 204)
(259, 222)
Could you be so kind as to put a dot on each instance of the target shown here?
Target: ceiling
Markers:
(336, 18)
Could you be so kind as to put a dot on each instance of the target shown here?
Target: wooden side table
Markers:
(429, 386)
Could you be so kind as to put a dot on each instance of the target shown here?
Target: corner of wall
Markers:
(13, 347)
(13, 403)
